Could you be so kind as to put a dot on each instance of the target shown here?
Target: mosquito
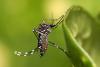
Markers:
(41, 34)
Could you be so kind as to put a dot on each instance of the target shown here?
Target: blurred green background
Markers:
(19, 17)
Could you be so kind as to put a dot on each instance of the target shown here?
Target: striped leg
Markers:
(60, 20)
(35, 33)
(18, 53)
(56, 46)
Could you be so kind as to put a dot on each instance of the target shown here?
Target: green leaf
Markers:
(77, 23)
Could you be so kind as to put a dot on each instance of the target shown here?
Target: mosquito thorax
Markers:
(45, 28)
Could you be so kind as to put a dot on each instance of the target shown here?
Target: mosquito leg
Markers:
(18, 53)
(60, 21)
(60, 18)
(56, 46)
(35, 33)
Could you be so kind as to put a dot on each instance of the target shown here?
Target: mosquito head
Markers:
(52, 25)
(45, 26)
